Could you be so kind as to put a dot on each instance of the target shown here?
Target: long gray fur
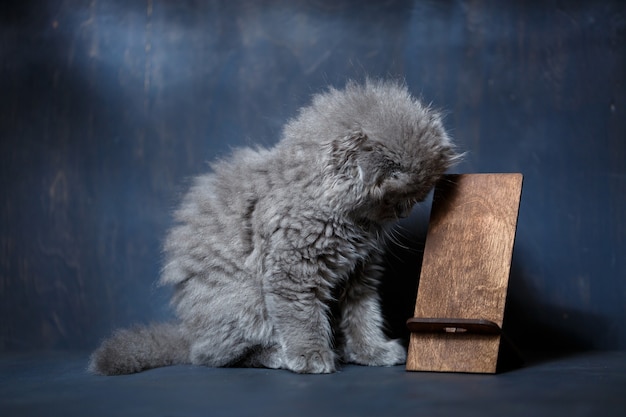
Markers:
(276, 255)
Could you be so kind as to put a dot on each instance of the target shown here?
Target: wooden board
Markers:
(465, 271)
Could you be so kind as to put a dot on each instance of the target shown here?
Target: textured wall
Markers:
(108, 107)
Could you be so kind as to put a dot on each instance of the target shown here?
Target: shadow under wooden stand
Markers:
(465, 273)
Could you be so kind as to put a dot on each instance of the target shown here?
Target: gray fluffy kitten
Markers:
(277, 254)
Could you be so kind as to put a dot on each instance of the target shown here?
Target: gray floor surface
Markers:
(56, 384)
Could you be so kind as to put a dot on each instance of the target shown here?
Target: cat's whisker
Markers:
(397, 241)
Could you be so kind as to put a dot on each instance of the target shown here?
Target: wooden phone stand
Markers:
(465, 273)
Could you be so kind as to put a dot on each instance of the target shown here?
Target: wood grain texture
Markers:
(465, 272)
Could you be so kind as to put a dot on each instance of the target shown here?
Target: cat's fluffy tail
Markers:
(139, 348)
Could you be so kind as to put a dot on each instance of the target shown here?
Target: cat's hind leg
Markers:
(224, 321)
(211, 352)
(264, 357)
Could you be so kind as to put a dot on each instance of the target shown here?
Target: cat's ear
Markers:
(345, 149)
(354, 140)
(357, 137)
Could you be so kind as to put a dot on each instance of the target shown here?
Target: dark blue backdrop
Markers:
(108, 107)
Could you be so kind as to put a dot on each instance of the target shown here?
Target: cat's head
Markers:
(387, 144)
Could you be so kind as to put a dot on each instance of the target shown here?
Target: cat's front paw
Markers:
(312, 362)
(387, 353)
